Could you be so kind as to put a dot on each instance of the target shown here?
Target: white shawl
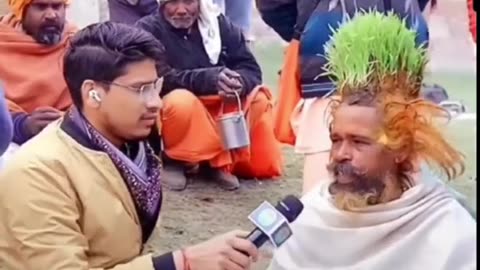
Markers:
(425, 229)
(209, 28)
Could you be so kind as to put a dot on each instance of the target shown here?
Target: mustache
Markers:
(344, 168)
(364, 184)
(50, 28)
(51, 25)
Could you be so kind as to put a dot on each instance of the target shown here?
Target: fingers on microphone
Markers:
(230, 265)
(245, 246)
(240, 233)
(239, 259)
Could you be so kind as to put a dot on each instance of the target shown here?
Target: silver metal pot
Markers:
(233, 128)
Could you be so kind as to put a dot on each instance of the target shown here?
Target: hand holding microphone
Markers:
(230, 251)
(237, 250)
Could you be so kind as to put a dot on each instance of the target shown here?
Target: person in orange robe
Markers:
(472, 19)
(33, 39)
(210, 61)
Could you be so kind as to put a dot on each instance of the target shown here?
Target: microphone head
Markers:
(290, 207)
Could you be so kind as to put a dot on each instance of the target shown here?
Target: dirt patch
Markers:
(203, 210)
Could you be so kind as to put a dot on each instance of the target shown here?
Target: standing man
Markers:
(211, 64)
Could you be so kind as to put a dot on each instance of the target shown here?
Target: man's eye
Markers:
(40, 6)
(57, 6)
(361, 142)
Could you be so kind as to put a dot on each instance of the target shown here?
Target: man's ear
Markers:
(92, 94)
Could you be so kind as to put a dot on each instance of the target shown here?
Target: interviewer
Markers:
(86, 192)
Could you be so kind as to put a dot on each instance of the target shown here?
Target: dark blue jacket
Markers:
(311, 22)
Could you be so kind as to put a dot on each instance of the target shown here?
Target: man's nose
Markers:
(154, 102)
(50, 14)
(181, 9)
(343, 153)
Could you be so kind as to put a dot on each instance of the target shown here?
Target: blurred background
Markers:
(204, 210)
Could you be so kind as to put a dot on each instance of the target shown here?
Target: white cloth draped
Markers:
(425, 229)
(210, 29)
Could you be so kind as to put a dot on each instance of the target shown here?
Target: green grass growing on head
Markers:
(373, 44)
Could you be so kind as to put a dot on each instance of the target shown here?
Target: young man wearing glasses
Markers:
(85, 193)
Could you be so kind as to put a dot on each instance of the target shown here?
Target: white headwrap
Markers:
(210, 29)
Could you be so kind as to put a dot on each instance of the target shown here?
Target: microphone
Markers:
(272, 223)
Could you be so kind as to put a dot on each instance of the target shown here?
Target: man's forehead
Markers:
(356, 120)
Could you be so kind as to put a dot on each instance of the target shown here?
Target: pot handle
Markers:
(239, 103)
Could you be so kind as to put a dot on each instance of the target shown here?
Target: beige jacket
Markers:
(63, 206)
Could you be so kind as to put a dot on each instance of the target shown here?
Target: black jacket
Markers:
(189, 62)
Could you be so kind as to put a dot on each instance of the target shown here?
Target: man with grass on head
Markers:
(379, 210)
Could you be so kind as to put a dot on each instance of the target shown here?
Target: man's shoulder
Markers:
(46, 150)
(149, 23)
(227, 26)
(39, 166)
(450, 215)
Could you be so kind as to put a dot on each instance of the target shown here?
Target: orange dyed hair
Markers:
(409, 128)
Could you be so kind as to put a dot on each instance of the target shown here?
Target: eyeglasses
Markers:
(145, 91)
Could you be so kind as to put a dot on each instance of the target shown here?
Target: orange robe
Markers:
(190, 133)
(289, 94)
(472, 19)
(31, 73)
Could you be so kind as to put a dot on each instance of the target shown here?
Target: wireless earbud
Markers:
(93, 94)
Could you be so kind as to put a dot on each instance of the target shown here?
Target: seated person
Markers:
(210, 62)
(33, 38)
(90, 183)
(378, 210)
(6, 130)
